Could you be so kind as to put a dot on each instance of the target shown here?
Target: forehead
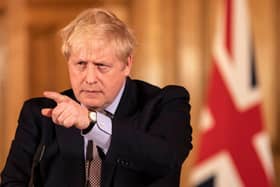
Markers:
(92, 49)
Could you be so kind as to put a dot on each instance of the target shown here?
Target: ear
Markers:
(128, 65)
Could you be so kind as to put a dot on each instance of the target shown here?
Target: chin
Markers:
(91, 104)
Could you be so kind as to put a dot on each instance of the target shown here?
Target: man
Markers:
(138, 133)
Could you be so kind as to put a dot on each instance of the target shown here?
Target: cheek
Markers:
(75, 78)
(72, 76)
(71, 73)
(113, 85)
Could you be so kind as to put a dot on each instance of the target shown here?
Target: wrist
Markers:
(92, 119)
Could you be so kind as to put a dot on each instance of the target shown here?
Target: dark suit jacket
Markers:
(151, 137)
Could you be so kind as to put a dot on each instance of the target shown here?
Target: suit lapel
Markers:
(128, 103)
(126, 107)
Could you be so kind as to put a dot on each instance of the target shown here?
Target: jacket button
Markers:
(118, 161)
(122, 162)
(126, 163)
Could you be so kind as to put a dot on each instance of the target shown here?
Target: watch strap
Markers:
(86, 130)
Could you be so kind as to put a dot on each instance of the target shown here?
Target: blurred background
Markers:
(174, 47)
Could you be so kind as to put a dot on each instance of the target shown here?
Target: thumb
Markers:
(47, 112)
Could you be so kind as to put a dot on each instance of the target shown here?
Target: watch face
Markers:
(92, 116)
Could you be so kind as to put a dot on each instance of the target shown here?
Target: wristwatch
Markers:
(92, 115)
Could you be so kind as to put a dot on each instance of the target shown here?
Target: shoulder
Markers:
(175, 91)
(145, 88)
(149, 90)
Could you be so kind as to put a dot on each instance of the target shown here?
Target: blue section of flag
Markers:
(210, 182)
(254, 80)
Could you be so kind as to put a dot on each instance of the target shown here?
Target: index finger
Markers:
(57, 97)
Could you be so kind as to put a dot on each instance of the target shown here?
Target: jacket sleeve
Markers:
(17, 169)
(157, 139)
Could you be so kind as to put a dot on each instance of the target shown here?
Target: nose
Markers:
(91, 75)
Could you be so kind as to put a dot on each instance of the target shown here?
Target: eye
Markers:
(103, 68)
(81, 63)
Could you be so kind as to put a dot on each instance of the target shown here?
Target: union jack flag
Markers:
(234, 146)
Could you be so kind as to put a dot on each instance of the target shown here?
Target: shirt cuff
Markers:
(101, 132)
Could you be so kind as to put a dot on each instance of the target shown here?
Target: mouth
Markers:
(91, 92)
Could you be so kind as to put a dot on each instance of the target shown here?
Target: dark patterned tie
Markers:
(93, 166)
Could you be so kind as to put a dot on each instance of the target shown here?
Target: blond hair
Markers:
(98, 24)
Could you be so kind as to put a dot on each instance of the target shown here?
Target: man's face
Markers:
(96, 74)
